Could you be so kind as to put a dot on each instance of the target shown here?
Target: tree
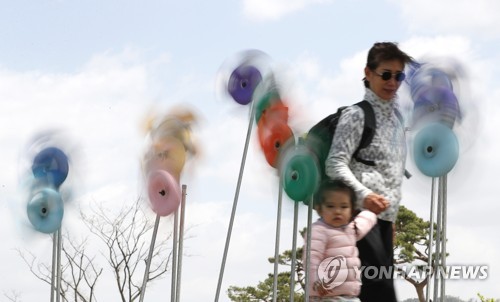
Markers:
(411, 247)
(13, 296)
(446, 298)
(484, 299)
(79, 273)
(126, 237)
(285, 258)
(263, 291)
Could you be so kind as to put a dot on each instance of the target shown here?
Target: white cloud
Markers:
(456, 46)
(319, 90)
(99, 108)
(452, 17)
(263, 10)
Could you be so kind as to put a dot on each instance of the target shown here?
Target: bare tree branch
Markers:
(125, 236)
(13, 296)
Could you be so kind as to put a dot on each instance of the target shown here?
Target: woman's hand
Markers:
(375, 203)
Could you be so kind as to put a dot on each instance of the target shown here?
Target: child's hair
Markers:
(338, 186)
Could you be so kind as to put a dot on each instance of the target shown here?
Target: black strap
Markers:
(368, 131)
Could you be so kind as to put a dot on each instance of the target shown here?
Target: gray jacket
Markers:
(387, 150)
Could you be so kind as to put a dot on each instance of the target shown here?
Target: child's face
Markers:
(336, 209)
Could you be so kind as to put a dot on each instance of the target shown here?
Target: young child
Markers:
(334, 268)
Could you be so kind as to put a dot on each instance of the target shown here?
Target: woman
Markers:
(378, 187)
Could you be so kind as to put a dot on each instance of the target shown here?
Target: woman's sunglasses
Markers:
(387, 75)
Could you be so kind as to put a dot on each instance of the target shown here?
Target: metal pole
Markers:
(59, 248)
(294, 250)
(277, 243)
(54, 267)
(235, 203)
(429, 248)
(308, 250)
(181, 243)
(443, 241)
(150, 256)
(438, 271)
(174, 256)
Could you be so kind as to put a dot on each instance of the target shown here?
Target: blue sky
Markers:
(61, 35)
(94, 68)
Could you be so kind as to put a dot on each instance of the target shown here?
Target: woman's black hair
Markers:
(385, 51)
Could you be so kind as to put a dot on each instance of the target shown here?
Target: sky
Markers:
(92, 69)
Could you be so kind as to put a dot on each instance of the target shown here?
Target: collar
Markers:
(371, 97)
(386, 107)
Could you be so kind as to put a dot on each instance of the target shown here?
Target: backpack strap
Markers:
(368, 131)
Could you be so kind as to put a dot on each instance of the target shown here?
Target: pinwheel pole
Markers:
(430, 265)
(178, 264)
(53, 274)
(437, 274)
(300, 176)
(438, 265)
(235, 203)
(150, 256)
(443, 187)
(294, 246)
(164, 194)
(177, 252)
(164, 161)
(55, 283)
(294, 250)
(308, 250)
(435, 154)
(277, 243)
(173, 285)
(45, 209)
